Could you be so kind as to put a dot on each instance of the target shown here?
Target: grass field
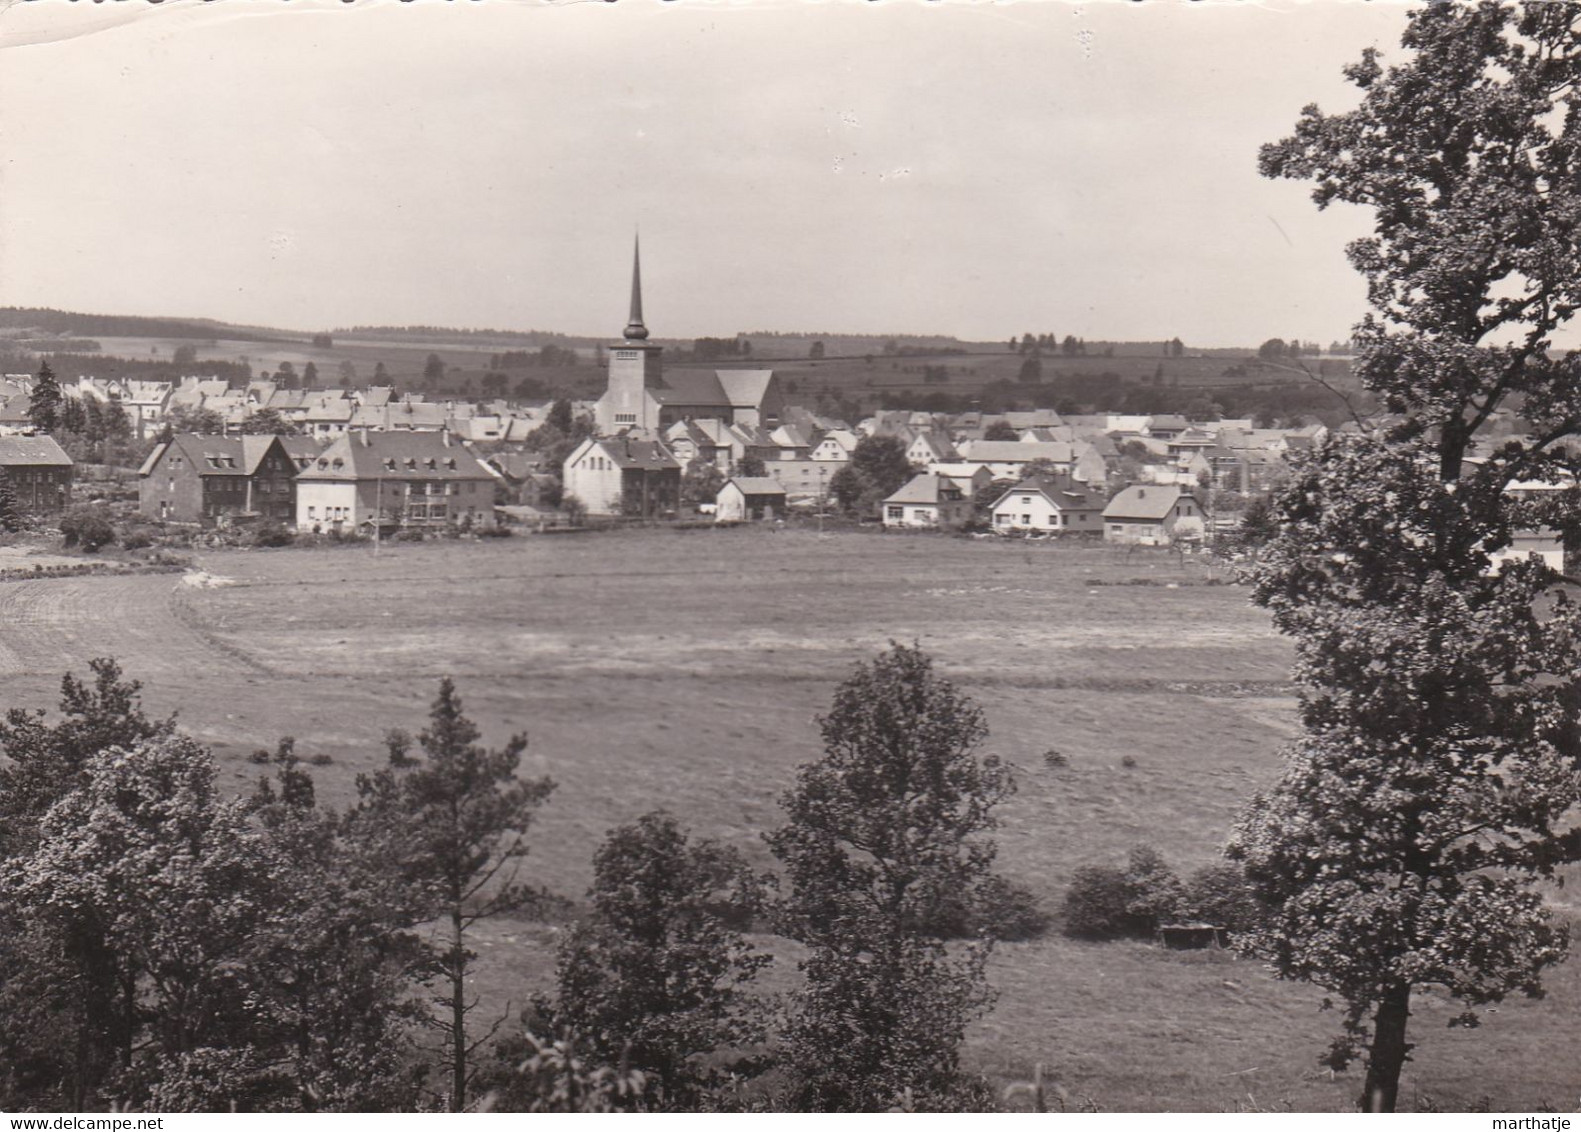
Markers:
(687, 669)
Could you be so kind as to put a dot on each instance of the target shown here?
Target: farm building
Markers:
(621, 476)
(38, 471)
(414, 479)
(1048, 505)
(749, 498)
(927, 501)
(1152, 515)
(210, 479)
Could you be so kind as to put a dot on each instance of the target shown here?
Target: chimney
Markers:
(365, 441)
(444, 435)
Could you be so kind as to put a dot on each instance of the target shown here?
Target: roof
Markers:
(1062, 493)
(214, 455)
(1018, 452)
(625, 453)
(32, 451)
(925, 488)
(396, 455)
(1152, 502)
(691, 387)
(745, 388)
(756, 485)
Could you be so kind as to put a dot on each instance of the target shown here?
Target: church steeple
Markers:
(635, 331)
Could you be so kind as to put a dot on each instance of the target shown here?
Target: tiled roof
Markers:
(925, 488)
(757, 485)
(396, 455)
(32, 451)
(1151, 503)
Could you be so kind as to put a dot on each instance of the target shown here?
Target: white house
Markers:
(1044, 505)
(413, 479)
(1152, 515)
(927, 501)
(621, 476)
(836, 446)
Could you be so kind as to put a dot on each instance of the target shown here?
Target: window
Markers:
(625, 418)
(1026, 520)
(311, 511)
(896, 513)
(1002, 519)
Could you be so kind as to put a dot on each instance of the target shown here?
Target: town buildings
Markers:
(38, 471)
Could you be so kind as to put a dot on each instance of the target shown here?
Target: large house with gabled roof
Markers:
(617, 475)
(38, 471)
(192, 478)
(407, 479)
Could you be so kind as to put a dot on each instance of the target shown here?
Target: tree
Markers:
(453, 824)
(1001, 430)
(1177, 348)
(560, 415)
(815, 351)
(380, 374)
(183, 418)
(87, 525)
(11, 516)
(348, 374)
(310, 376)
(701, 483)
(433, 372)
(44, 404)
(72, 416)
(323, 341)
(1031, 371)
(1435, 778)
(184, 356)
(1272, 350)
(881, 837)
(267, 422)
(876, 470)
(286, 376)
(657, 976)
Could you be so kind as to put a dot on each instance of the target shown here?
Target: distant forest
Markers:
(128, 326)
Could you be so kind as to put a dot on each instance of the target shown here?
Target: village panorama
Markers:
(446, 720)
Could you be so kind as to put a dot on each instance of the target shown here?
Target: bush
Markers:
(87, 526)
(409, 534)
(499, 530)
(273, 534)
(1009, 912)
(1220, 895)
(1055, 759)
(319, 759)
(138, 539)
(1097, 902)
(1105, 902)
(1129, 762)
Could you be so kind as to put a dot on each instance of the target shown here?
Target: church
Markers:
(641, 397)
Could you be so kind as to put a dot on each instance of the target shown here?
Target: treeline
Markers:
(165, 947)
(123, 325)
(69, 367)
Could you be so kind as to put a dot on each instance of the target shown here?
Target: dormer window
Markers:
(411, 464)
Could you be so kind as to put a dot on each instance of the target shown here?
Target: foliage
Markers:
(877, 469)
(11, 515)
(452, 825)
(87, 525)
(555, 1077)
(1436, 776)
(44, 404)
(267, 422)
(1105, 902)
(701, 483)
(751, 465)
(1001, 430)
(882, 835)
(273, 534)
(184, 418)
(1221, 895)
(657, 976)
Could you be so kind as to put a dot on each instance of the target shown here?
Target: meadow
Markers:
(687, 669)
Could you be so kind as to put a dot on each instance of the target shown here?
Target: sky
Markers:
(968, 169)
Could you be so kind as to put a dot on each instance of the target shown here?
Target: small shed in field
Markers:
(749, 497)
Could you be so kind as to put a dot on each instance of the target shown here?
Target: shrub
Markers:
(138, 539)
(273, 534)
(1055, 759)
(1097, 902)
(409, 534)
(1129, 762)
(261, 755)
(1105, 902)
(499, 530)
(87, 526)
(1220, 895)
(319, 759)
(1009, 912)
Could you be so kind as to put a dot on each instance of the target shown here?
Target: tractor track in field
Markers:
(56, 625)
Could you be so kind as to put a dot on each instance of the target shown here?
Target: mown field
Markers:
(687, 669)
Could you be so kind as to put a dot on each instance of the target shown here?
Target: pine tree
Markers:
(44, 405)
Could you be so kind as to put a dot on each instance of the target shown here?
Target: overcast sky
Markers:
(977, 170)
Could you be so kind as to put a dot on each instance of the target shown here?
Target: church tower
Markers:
(633, 369)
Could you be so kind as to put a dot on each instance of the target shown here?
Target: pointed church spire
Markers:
(634, 328)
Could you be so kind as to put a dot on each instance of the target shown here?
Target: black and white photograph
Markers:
(860, 556)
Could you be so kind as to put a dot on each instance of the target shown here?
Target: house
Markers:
(1150, 515)
(410, 479)
(835, 446)
(212, 479)
(38, 472)
(929, 448)
(700, 442)
(791, 443)
(327, 414)
(749, 498)
(16, 414)
(621, 476)
(1006, 459)
(927, 501)
(1545, 544)
(972, 479)
(1041, 504)
(804, 479)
